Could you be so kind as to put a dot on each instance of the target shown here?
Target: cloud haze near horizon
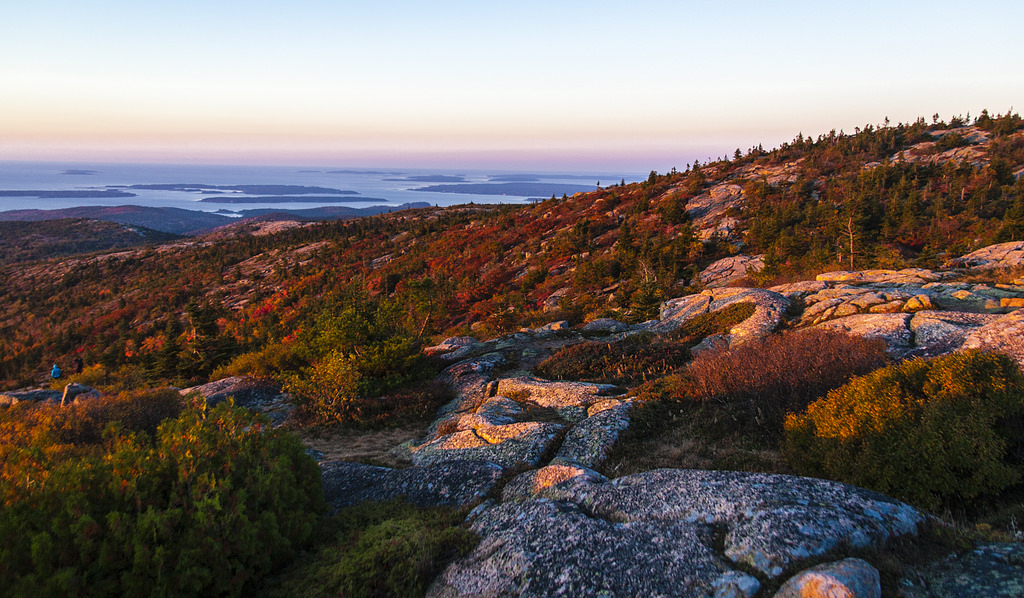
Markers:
(528, 84)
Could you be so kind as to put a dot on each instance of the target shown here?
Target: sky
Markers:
(639, 85)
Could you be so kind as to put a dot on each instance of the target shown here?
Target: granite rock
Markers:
(848, 578)
(457, 483)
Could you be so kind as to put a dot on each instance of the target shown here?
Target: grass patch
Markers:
(376, 549)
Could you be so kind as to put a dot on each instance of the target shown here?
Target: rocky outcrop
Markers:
(261, 396)
(557, 395)
(654, 534)
(560, 527)
(1002, 255)
(769, 309)
(14, 397)
(1005, 335)
(994, 570)
(727, 271)
(458, 483)
(509, 446)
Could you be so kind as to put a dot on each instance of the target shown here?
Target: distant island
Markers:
(522, 189)
(76, 171)
(226, 198)
(66, 193)
(432, 178)
(247, 189)
(513, 178)
(367, 172)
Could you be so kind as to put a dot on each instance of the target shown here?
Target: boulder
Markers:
(529, 484)
(457, 483)
(606, 325)
(454, 348)
(75, 392)
(257, 395)
(848, 578)
(727, 271)
(559, 326)
(469, 379)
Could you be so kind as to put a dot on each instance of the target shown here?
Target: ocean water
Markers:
(362, 187)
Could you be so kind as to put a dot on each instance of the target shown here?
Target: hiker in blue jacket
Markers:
(55, 372)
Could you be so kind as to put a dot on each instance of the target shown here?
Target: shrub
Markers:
(768, 377)
(378, 549)
(640, 357)
(135, 411)
(205, 507)
(630, 360)
(327, 391)
(932, 432)
(272, 360)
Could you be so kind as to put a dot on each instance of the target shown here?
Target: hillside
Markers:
(623, 385)
(47, 239)
(904, 195)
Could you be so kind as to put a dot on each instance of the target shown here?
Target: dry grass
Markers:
(365, 446)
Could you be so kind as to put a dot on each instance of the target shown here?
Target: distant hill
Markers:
(30, 241)
(168, 220)
(178, 221)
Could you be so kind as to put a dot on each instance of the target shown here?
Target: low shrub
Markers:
(326, 392)
(135, 411)
(205, 507)
(627, 361)
(768, 377)
(377, 549)
(940, 432)
(273, 360)
(640, 357)
(725, 410)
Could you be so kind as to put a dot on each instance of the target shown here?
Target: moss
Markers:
(377, 549)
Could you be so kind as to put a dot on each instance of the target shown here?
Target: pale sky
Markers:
(641, 85)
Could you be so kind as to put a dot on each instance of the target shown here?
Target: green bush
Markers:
(326, 391)
(935, 433)
(378, 549)
(206, 507)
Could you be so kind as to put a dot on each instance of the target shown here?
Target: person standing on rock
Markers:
(55, 372)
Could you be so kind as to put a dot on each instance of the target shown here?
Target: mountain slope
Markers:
(887, 196)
